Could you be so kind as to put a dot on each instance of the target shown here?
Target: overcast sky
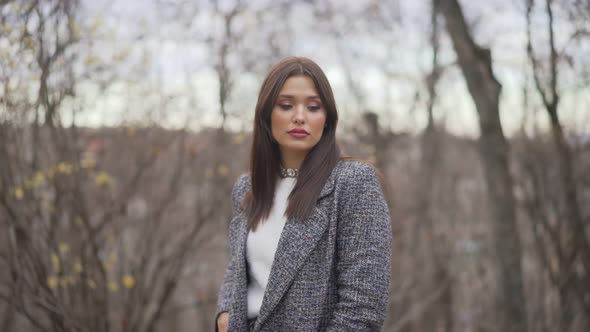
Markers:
(180, 64)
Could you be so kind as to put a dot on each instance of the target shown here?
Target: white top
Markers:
(262, 245)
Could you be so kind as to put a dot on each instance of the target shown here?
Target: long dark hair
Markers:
(265, 157)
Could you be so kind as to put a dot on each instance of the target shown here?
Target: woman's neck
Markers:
(292, 160)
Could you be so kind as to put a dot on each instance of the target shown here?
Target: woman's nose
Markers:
(299, 116)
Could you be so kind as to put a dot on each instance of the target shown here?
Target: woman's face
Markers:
(297, 118)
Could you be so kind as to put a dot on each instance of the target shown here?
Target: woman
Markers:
(310, 236)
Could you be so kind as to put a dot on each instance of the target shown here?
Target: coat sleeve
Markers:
(363, 249)
(225, 292)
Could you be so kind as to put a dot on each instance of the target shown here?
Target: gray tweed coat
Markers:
(330, 272)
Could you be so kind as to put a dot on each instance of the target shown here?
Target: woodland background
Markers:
(123, 125)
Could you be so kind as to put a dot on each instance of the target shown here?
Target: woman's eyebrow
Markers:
(293, 97)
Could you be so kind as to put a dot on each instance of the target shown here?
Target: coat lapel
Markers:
(298, 239)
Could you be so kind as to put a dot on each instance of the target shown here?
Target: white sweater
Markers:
(262, 245)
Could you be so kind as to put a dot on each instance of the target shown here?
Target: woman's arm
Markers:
(224, 300)
(225, 292)
(363, 252)
(222, 322)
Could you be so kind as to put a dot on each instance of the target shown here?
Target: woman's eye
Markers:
(314, 108)
(285, 106)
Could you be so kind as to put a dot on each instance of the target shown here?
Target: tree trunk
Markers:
(476, 65)
(435, 272)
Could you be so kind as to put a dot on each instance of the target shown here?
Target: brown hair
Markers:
(265, 157)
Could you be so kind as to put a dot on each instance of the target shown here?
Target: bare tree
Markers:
(221, 67)
(88, 241)
(573, 252)
(476, 65)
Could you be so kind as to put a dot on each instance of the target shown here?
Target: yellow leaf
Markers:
(64, 248)
(121, 55)
(27, 41)
(88, 162)
(67, 281)
(51, 282)
(56, 263)
(29, 184)
(113, 286)
(78, 266)
(223, 170)
(38, 179)
(103, 179)
(252, 23)
(91, 283)
(70, 279)
(239, 139)
(130, 132)
(128, 281)
(112, 256)
(51, 173)
(370, 149)
(6, 29)
(96, 23)
(19, 193)
(64, 167)
(74, 26)
(90, 60)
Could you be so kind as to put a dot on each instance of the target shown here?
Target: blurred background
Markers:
(124, 124)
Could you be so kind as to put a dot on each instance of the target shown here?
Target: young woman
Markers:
(310, 236)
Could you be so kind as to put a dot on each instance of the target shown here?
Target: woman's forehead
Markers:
(297, 86)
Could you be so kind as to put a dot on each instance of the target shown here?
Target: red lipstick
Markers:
(298, 132)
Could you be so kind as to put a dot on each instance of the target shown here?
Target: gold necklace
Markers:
(289, 172)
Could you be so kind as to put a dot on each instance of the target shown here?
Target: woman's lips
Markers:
(298, 133)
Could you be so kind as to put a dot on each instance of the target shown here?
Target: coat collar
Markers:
(331, 181)
(329, 185)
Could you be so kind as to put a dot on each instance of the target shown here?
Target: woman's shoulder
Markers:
(355, 176)
(240, 188)
(360, 184)
(242, 184)
(356, 170)
(243, 180)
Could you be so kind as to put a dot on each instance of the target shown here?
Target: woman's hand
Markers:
(222, 322)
